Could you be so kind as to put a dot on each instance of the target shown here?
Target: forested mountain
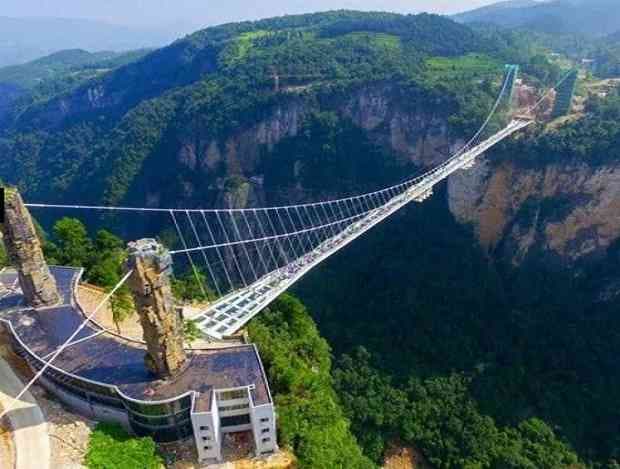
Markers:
(23, 85)
(479, 327)
(67, 62)
(588, 17)
(26, 39)
(606, 56)
(178, 105)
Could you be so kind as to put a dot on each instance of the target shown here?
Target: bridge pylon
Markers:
(512, 73)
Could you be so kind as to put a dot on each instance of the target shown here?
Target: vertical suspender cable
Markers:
(219, 254)
(189, 255)
(204, 253)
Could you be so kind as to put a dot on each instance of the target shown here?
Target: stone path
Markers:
(30, 432)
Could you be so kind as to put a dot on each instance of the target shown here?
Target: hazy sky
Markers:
(207, 12)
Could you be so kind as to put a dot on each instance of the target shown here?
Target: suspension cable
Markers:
(187, 250)
(459, 152)
(557, 85)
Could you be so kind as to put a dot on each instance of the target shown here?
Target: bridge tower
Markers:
(512, 72)
(565, 95)
(162, 325)
(24, 250)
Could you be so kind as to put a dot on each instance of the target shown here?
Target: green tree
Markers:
(534, 445)
(111, 447)
(191, 332)
(102, 260)
(192, 286)
(298, 364)
(72, 246)
(122, 306)
(445, 422)
(105, 263)
(374, 405)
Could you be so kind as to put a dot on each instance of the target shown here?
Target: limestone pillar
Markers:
(161, 321)
(24, 250)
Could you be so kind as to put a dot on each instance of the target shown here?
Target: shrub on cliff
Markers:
(110, 447)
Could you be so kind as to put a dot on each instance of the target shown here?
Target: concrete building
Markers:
(104, 376)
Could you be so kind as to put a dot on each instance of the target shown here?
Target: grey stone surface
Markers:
(161, 321)
(24, 250)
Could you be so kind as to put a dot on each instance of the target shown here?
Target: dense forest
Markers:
(298, 361)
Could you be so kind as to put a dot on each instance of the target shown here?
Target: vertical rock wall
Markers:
(566, 211)
(25, 253)
(161, 322)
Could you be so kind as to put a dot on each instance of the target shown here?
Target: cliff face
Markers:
(564, 212)
(417, 134)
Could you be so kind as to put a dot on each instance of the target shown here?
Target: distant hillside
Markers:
(588, 17)
(22, 85)
(606, 56)
(25, 39)
(615, 37)
(58, 64)
(494, 12)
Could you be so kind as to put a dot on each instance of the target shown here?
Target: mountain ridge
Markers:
(26, 39)
(595, 18)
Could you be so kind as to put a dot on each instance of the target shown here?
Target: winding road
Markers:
(30, 433)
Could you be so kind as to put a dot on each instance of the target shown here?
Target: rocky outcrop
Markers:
(240, 152)
(162, 326)
(567, 212)
(417, 134)
(24, 250)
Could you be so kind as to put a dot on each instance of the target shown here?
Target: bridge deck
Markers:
(230, 313)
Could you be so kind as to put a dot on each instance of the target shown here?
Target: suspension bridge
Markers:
(252, 255)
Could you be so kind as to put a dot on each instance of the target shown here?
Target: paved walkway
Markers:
(30, 435)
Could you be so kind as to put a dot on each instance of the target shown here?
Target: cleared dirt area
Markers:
(69, 433)
(398, 457)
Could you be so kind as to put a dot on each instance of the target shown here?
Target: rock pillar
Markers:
(24, 250)
(161, 322)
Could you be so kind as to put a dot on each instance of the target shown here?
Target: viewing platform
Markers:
(104, 376)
